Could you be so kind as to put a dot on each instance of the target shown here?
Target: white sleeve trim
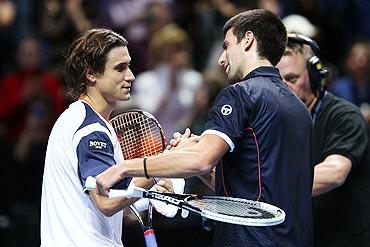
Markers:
(222, 135)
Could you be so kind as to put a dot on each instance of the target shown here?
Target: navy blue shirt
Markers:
(262, 105)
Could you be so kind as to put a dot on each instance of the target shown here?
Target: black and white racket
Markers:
(139, 135)
(224, 209)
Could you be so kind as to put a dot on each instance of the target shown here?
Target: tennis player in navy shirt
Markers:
(259, 137)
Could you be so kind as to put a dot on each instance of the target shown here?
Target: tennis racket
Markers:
(139, 135)
(224, 209)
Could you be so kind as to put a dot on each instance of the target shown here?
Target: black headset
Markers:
(316, 72)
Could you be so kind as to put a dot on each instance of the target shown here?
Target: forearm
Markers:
(110, 206)
(75, 11)
(323, 181)
(183, 161)
(330, 174)
(171, 165)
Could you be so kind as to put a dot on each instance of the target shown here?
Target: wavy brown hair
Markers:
(88, 52)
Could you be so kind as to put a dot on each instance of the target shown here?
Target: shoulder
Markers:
(237, 91)
(341, 114)
(341, 106)
(80, 117)
(73, 115)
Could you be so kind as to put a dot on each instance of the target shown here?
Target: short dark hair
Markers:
(88, 52)
(268, 29)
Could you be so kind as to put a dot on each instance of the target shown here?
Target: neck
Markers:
(99, 106)
(258, 63)
(310, 103)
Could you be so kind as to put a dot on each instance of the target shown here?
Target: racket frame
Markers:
(119, 125)
(182, 201)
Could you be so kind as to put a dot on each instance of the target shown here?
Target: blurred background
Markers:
(174, 46)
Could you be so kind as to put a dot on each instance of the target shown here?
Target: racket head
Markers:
(138, 133)
(237, 210)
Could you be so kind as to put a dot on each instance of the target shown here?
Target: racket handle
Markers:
(119, 193)
(150, 239)
(132, 190)
(90, 183)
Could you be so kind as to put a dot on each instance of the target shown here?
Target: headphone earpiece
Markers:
(315, 69)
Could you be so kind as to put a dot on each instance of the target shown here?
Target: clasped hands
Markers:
(111, 176)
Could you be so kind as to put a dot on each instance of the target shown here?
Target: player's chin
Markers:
(124, 97)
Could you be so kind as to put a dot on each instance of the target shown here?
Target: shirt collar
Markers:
(263, 71)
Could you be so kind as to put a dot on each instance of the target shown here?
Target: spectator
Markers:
(29, 83)
(341, 187)
(168, 90)
(354, 85)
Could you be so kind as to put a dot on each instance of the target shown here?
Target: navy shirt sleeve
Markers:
(95, 154)
(230, 112)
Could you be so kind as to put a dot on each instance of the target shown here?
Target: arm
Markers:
(330, 174)
(110, 206)
(178, 139)
(77, 14)
(183, 161)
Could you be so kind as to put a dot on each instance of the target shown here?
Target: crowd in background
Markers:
(174, 47)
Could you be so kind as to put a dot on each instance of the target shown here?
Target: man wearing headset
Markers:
(341, 188)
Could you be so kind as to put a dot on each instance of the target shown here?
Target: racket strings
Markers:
(138, 135)
(232, 208)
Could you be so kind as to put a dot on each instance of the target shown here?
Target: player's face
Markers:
(231, 58)
(115, 82)
(294, 72)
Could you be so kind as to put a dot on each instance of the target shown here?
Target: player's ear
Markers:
(90, 75)
(248, 40)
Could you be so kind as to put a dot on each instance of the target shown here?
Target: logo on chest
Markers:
(97, 145)
(226, 110)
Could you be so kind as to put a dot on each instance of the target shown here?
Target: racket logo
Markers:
(226, 110)
(168, 199)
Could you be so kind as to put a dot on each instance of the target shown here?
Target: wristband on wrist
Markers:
(145, 170)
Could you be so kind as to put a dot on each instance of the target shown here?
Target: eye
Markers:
(291, 78)
(121, 67)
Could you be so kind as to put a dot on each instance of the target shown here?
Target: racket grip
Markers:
(132, 190)
(150, 239)
(119, 193)
(90, 183)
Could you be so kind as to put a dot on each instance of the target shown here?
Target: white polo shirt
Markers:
(81, 144)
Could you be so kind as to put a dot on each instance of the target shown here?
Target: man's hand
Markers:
(173, 185)
(181, 140)
(164, 185)
(106, 179)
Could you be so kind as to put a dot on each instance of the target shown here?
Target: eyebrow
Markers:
(224, 45)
